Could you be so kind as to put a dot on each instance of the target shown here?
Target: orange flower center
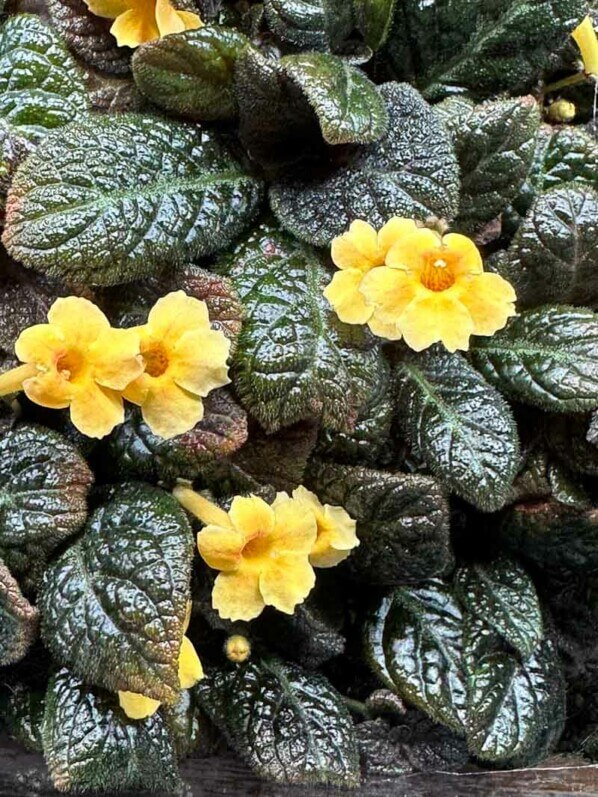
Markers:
(437, 273)
(258, 546)
(70, 364)
(155, 357)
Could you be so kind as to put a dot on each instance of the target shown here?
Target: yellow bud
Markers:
(237, 648)
(561, 111)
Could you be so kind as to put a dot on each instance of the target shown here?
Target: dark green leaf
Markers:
(547, 357)
(113, 605)
(184, 723)
(310, 24)
(294, 360)
(90, 745)
(504, 597)
(374, 20)
(349, 108)
(565, 155)
(191, 73)
(460, 425)
(41, 87)
(412, 171)
(289, 725)
(13, 149)
(114, 198)
(402, 521)
(22, 714)
(553, 255)
(567, 438)
(18, 620)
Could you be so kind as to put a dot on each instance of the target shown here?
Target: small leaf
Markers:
(114, 198)
(567, 438)
(460, 425)
(313, 25)
(348, 105)
(563, 155)
(294, 360)
(289, 725)
(113, 605)
(402, 521)
(90, 745)
(412, 171)
(18, 620)
(546, 357)
(374, 20)
(504, 597)
(191, 73)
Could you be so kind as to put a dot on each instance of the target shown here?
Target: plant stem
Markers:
(12, 381)
(572, 80)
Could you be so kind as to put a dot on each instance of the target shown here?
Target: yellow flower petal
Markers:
(438, 317)
(199, 361)
(344, 295)
(336, 535)
(489, 299)
(116, 359)
(109, 9)
(49, 390)
(190, 20)
(236, 596)
(295, 531)
(134, 27)
(175, 314)
(357, 248)
(169, 410)
(587, 41)
(468, 259)
(137, 707)
(394, 229)
(190, 669)
(220, 547)
(382, 328)
(167, 19)
(95, 410)
(287, 581)
(409, 252)
(251, 515)
(40, 344)
(79, 320)
(389, 290)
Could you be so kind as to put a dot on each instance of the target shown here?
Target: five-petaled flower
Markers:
(137, 706)
(139, 21)
(184, 360)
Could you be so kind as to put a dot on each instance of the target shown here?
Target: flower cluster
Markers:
(77, 360)
(408, 281)
(139, 21)
(266, 553)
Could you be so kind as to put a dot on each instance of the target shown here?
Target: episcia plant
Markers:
(299, 415)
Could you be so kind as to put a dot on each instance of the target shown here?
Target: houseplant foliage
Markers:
(267, 479)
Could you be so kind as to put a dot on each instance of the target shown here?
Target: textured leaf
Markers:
(289, 725)
(114, 198)
(402, 521)
(412, 171)
(114, 94)
(191, 73)
(546, 357)
(135, 452)
(503, 596)
(185, 724)
(567, 438)
(18, 620)
(41, 87)
(294, 360)
(310, 24)
(25, 298)
(22, 714)
(460, 425)
(88, 36)
(44, 483)
(495, 144)
(553, 256)
(374, 20)
(113, 605)
(13, 149)
(90, 745)
(349, 108)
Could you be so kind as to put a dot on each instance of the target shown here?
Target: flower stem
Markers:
(199, 506)
(572, 80)
(12, 381)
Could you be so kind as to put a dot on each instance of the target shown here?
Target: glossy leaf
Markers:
(546, 357)
(89, 744)
(412, 171)
(310, 24)
(374, 20)
(567, 437)
(23, 713)
(349, 108)
(113, 605)
(18, 620)
(460, 425)
(13, 149)
(289, 725)
(191, 73)
(115, 198)
(294, 359)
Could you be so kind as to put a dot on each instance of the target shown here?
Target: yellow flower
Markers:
(139, 21)
(77, 360)
(138, 707)
(237, 648)
(335, 528)
(434, 289)
(587, 41)
(184, 360)
(262, 552)
(357, 252)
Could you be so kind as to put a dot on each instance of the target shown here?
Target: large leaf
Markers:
(18, 620)
(553, 256)
(547, 357)
(289, 725)
(114, 198)
(460, 425)
(412, 171)
(503, 596)
(349, 108)
(90, 745)
(14, 147)
(374, 20)
(113, 605)
(310, 24)
(402, 521)
(294, 359)
(44, 483)
(41, 87)
(191, 73)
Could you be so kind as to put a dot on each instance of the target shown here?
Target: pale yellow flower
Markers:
(139, 21)
(587, 41)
